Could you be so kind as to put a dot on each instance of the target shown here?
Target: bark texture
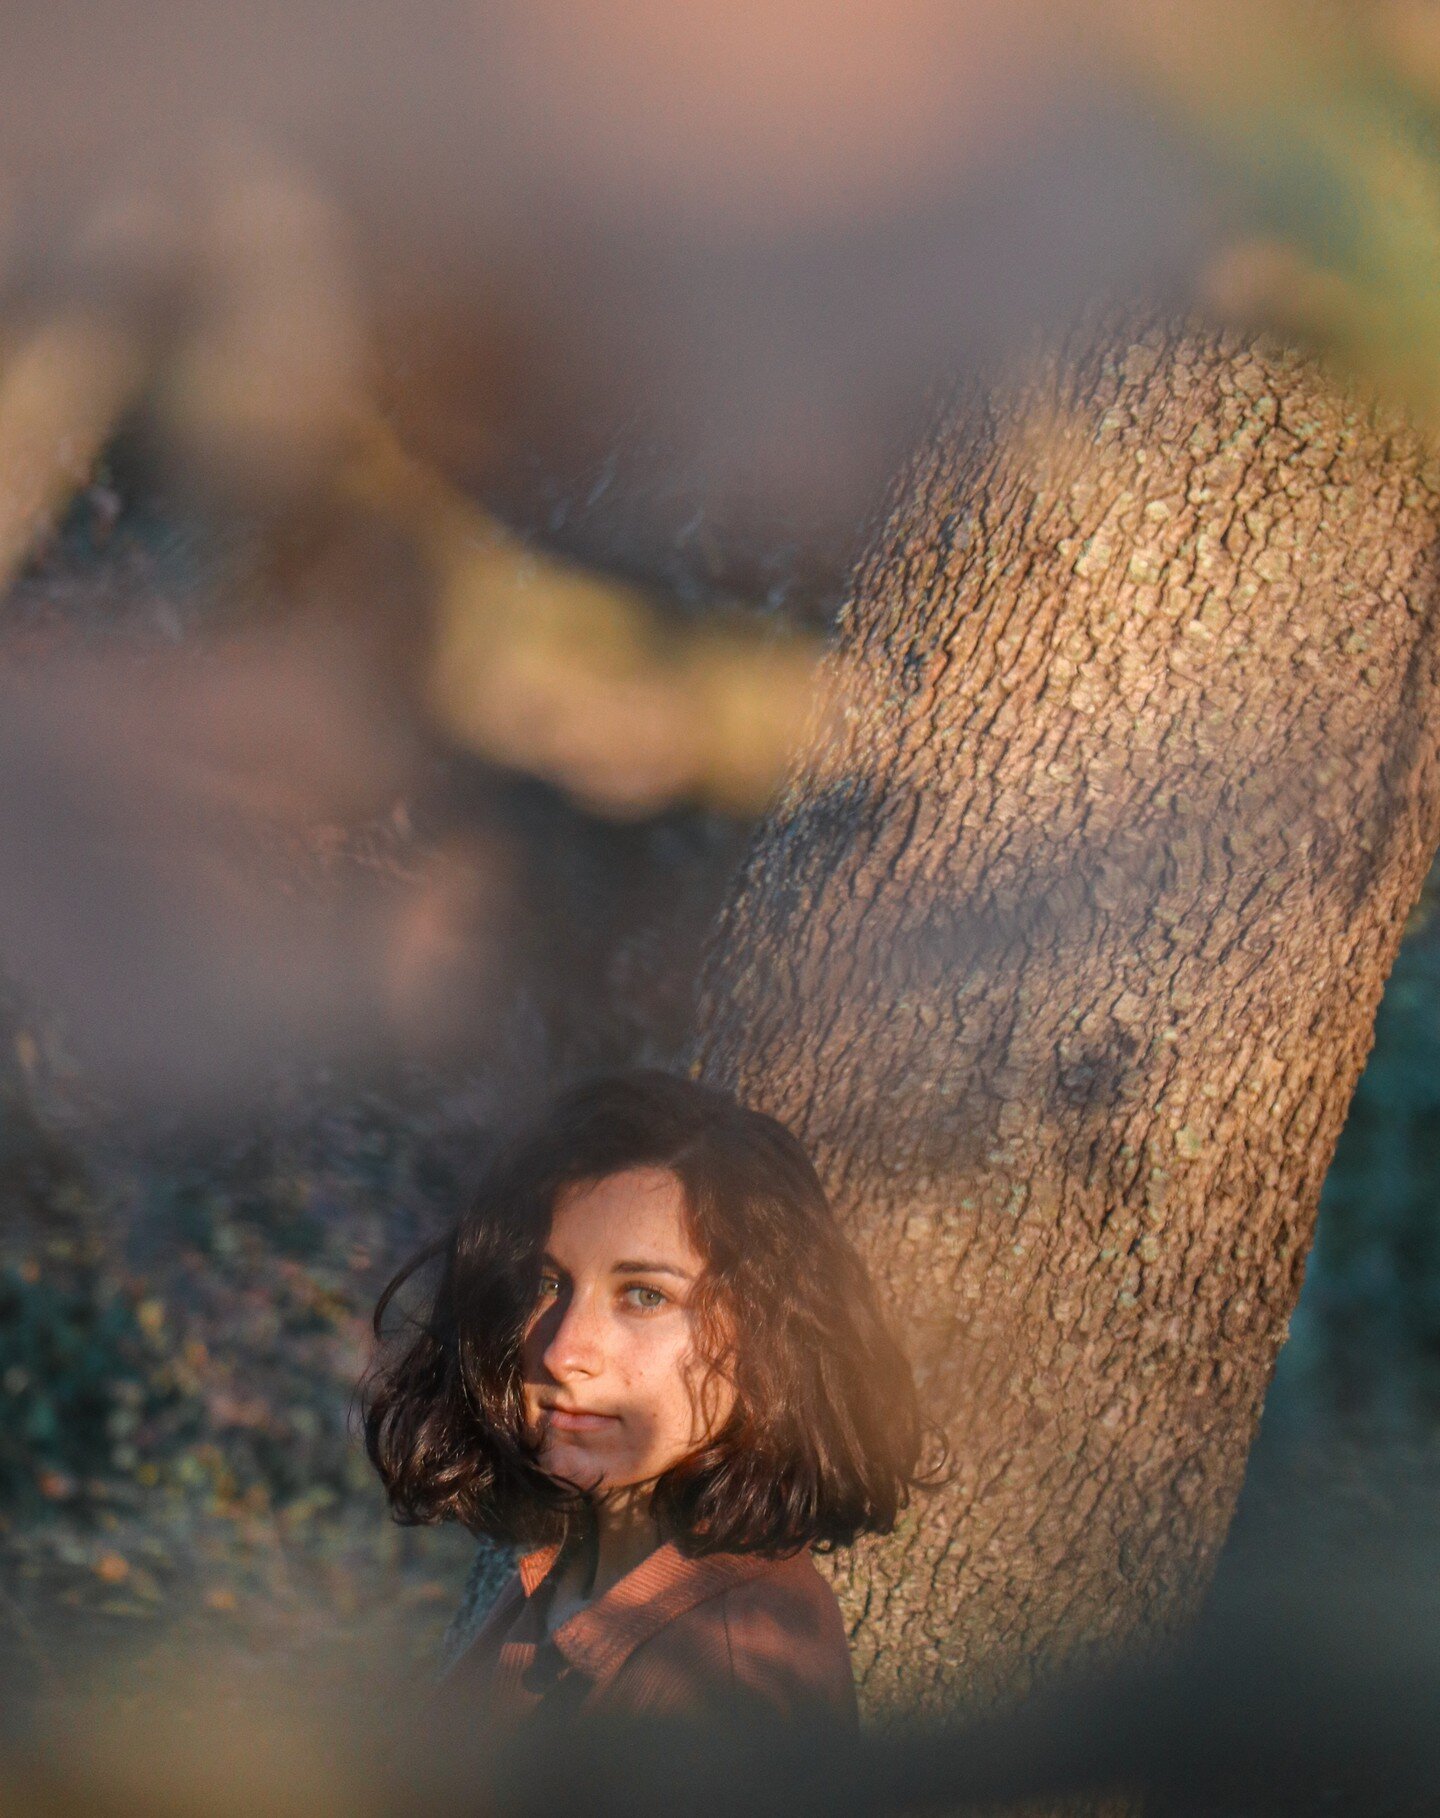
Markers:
(1063, 946)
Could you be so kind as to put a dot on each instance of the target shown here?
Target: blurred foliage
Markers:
(1320, 121)
(178, 1357)
(1366, 1339)
(80, 1390)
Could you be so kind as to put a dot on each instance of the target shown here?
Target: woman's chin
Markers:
(576, 1464)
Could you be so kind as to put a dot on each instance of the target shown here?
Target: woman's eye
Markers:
(548, 1285)
(647, 1299)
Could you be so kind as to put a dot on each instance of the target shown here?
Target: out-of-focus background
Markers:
(433, 441)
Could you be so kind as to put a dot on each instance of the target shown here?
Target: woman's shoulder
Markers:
(791, 1610)
(776, 1636)
(793, 1583)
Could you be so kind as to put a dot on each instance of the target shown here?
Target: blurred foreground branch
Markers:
(260, 396)
(546, 667)
(63, 390)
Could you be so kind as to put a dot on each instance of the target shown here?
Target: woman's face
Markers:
(613, 1388)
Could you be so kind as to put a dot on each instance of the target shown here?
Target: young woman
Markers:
(653, 1362)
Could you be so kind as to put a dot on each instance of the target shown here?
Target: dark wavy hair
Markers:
(824, 1440)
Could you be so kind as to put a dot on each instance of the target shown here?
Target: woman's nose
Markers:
(574, 1345)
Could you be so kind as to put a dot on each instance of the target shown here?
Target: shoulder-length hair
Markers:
(825, 1435)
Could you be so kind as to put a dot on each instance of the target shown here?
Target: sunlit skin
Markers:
(614, 1391)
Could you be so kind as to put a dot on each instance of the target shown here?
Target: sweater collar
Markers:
(599, 1639)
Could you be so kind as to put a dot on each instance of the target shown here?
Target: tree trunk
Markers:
(1063, 946)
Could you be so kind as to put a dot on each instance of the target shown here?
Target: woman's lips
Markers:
(566, 1420)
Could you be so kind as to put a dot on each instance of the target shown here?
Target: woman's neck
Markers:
(621, 1533)
(625, 1533)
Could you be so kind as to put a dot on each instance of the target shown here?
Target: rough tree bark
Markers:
(1063, 945)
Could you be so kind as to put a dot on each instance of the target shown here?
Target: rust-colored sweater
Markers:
(728, 1634)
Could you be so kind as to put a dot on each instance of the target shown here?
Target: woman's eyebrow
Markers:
(651, 1268)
